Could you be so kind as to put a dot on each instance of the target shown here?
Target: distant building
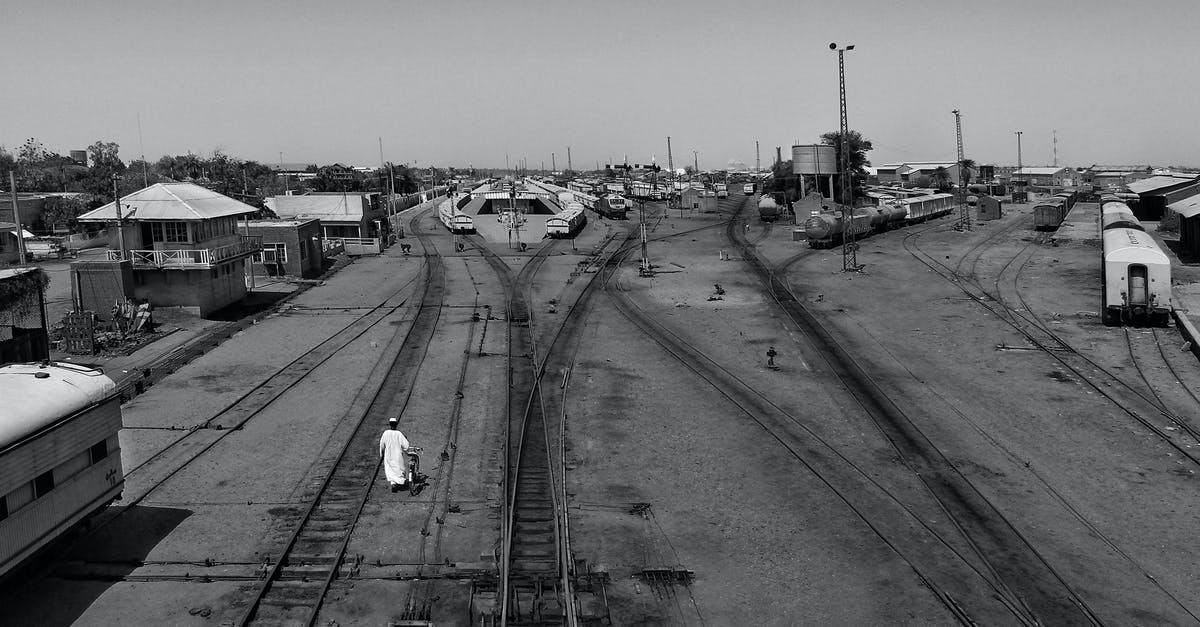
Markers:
(908, 173)
(1047, 176)
(182, 249)
(289, 247)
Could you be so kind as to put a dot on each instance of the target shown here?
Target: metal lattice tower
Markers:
(849, 246)
(964, 211)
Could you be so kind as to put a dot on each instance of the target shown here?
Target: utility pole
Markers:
(696, 162)
(670, 166)
(849, 246)
(757, 158)
(120, 227)
(1055, 135)
(142, 147)
(12, 188)
(553, 165)
(569, 167)
(1018, 133)
(964, 212)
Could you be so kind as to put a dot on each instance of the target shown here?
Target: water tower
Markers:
(815, 160)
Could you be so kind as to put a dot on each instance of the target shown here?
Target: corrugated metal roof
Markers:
(1157, 183)
(339, 207)
(1188, 207)
(171, 201)
(1042, 171)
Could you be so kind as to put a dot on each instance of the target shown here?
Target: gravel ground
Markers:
(664, 471)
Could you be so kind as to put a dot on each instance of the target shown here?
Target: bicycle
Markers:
(415, 480)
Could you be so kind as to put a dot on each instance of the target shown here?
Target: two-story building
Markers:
(181, 248)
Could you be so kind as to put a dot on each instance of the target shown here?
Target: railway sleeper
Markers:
(534, 526)
(304, 572)
(538, 550)
(534, 515)
(325, 524)
(298, 558)
(535, 537)
(323, 536)
(532, 566)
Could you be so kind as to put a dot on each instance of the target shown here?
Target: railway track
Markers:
(536, 584)
(533, 587)
(158, 469)
(294, 587)
(1007, 301)
(1135, 403)
(1031, 582)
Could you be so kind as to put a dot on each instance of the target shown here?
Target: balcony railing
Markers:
(197, 258)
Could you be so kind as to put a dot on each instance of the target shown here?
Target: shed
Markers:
(1157, 192)
(1188, 210)
(990, 208)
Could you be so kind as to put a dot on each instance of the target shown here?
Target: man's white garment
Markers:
(392, 448)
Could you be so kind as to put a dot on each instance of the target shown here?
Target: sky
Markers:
(457, 83)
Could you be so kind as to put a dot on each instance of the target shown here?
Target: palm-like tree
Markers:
(940, 179)
(967, 167)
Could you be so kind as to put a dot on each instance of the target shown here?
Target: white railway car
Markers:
(567, 222)
(921, 208)
(1137, 278)
(60, 459)
(1115, 214)
(454, 219)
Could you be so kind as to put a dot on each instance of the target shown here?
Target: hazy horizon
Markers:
(459, 83)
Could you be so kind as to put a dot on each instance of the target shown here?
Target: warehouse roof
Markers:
(1161, 183)
(1039, 171)
(327, 208)
(171, 201)
(1188, 207)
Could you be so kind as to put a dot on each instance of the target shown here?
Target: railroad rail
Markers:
(1018, 566)
(295, 586)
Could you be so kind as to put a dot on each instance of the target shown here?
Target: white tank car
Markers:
(1137, 278)
(568, 222)
(454, 219)
(60, 459)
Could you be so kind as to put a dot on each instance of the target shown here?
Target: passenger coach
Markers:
(1137, 278)
(60, 459)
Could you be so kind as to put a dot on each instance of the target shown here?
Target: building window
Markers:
(176, 232)
(3, 508)
(272, 253)
(99, 451)
(43, 484)
(170, 232)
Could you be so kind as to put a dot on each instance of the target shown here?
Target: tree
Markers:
(8, 163)
(858, 147)
(940, 179)
(60, 211)
(967, 168)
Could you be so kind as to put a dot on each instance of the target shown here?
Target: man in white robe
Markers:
(393, 450)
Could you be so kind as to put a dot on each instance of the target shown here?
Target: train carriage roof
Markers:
(32, 401)
(1133, 246)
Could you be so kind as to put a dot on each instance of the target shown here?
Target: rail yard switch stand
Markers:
(771, 358)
